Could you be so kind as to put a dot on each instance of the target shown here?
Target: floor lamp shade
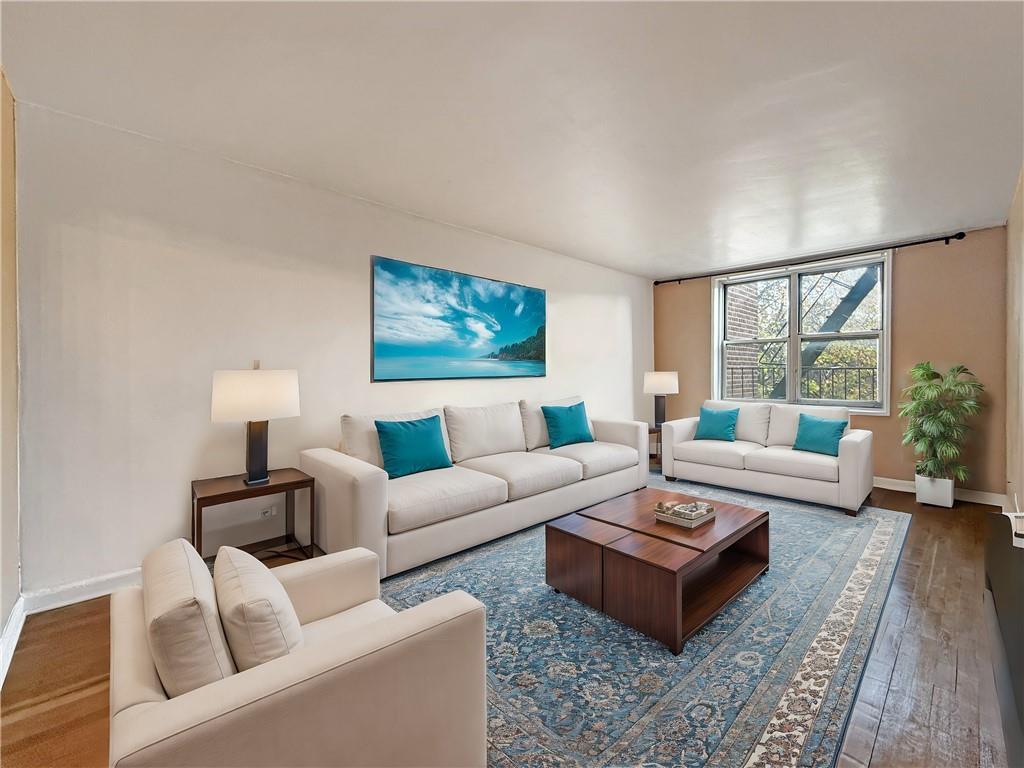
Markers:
(254, 397)
(659, 384)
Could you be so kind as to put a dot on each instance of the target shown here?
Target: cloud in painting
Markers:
(482, 332)
(409, 312)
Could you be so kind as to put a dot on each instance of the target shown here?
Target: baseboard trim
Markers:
(963, 494)
(57, 597)
(9, 638)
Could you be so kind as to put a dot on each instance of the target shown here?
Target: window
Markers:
(807, 334)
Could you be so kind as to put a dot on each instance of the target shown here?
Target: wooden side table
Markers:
(221, 490)
(655, 432)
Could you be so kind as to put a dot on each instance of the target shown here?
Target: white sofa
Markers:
(359, 672)
(505, 477)
(762, 459)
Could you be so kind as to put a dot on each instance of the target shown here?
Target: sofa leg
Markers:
(670, 479)
(851, 512)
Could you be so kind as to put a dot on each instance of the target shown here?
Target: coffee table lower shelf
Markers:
(715, 584)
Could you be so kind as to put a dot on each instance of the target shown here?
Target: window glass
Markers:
(842, 301)
(756, 370)
(839, 370)
(757, 310)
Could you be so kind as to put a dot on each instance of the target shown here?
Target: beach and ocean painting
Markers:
(431, 323)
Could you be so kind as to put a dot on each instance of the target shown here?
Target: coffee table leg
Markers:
(644, 597)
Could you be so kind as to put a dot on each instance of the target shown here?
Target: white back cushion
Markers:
(785, 419)
(752, 423)
(534, 424)
(359, 436)
(259, 619)
(182, 624)
(484, 431)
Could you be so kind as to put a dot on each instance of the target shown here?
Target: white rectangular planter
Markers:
(931, 490)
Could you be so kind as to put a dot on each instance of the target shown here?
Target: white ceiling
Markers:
(660, 139)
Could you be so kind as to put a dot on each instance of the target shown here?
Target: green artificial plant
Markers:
(937, 409)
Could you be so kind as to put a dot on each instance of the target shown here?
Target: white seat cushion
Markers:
(329, 627)
(752, 421)
(258, 616)
(359, 436)
(528, 474)
(484, 431)
(783, 460)
(439, 494)
(183, 627)
(717, 453)
(786, 418)
(597, 458)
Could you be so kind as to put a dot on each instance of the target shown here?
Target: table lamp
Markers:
(659, 384)
(254, 397)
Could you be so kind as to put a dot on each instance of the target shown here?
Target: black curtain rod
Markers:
(821, 257)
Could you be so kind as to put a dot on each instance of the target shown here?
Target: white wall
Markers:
(144, 267)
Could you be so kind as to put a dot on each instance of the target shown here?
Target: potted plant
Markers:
(937, 409)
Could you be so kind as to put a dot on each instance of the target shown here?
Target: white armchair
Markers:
(368, 686)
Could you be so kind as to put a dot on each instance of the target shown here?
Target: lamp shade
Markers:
(661, 383)
(254, 395)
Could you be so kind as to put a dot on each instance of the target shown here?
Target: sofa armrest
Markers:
(672, 433)
(330, 584)
(678, 431)
(856, 468)
(351, 500)
(333, 703)
(631, 433)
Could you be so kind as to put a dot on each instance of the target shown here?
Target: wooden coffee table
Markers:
(661, 579)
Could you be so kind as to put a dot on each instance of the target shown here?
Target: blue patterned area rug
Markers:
(768, 682)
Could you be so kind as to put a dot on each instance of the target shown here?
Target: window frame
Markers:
(795, 336)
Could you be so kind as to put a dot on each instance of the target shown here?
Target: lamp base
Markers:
(256, 453)
(659, 410)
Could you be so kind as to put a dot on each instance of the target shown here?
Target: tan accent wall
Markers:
(682, 341)
(1015, 347)
(9, 554)
(948, 306)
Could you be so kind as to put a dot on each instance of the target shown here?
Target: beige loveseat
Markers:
(359, 684)
(762, 458)
(505, 477)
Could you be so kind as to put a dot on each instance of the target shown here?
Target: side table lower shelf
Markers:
(267, 550)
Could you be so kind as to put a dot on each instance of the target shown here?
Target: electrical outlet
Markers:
(267, 513)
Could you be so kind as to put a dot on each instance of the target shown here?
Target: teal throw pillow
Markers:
(819, 435)
(567, 424)
(717, 425)
(408, 447)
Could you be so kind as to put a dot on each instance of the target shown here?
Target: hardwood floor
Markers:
(928, 696)
(927, 699)
(54, 704)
